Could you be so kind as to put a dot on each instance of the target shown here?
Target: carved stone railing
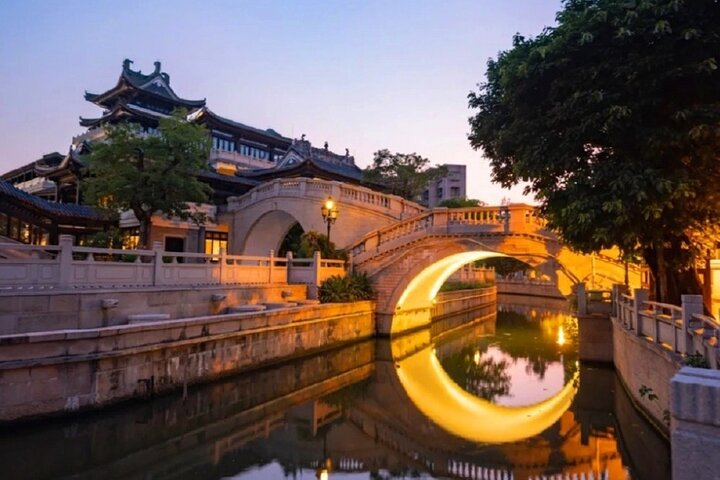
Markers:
(504, 219)
(681, 329)
(344, 193)
(65, 266)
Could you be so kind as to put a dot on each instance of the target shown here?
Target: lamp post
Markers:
(329, 213)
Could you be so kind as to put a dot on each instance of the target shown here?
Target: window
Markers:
(454, 192)
(14, 230)
(3, 224)
(130, 238)
(439, 192)
(214, 241)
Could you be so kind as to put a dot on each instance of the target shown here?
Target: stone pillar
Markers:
(440, 219)
(349, 263)
(581, 299)
(65, 258)
(640, 297)
(288, 265)
(157, 263)
(695, 433)
(618, 290)
(691, 304)
(223, 267)
(271, 265)
(317, 262)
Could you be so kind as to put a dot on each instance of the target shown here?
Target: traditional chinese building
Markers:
(241, 157)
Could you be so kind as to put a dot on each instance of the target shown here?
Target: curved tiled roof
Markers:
(63, 210)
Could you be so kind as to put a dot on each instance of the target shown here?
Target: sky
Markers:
(362, 75)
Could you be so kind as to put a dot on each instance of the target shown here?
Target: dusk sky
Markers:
(365, 75)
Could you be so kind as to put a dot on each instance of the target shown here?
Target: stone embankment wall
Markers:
(40, 311)
(645, 370)
(532, 288)
(52, 372)
(458, 301)
(183, 434)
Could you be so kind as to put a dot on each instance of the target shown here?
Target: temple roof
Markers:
(59, 211)
(302, 159)
(213, 120)
(156, 85)
(121, 111)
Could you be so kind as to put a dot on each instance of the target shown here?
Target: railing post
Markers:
(691, 305)
(157, 263)
(303, 187)
(288, 265)
(440, 219)
(640, 297)
(581, 299)
(65, 258)
(223, 267)
(617, 291)
(349, 263)
(317, 261)
(271, 264)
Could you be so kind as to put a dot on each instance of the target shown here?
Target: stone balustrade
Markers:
(679, 329)
(67, 266)
(522, 219)
(344, 193)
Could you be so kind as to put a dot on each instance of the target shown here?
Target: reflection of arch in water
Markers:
(435, 394)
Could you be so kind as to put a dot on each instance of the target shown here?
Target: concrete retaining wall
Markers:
(33, 311)
(645, 367)
(451, 303)
(52, 372)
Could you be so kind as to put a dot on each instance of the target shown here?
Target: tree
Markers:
(150, 173)
(404, 174)
(613, 117)
(461, 203)
(312, 241)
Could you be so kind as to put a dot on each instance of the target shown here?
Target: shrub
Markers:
(349, 288)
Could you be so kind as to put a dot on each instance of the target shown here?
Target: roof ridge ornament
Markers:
(126, 64)
(157, 67)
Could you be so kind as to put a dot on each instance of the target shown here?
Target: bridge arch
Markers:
(362, 210)
(410, 260)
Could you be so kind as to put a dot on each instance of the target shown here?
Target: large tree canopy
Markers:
(149, 173)
(613, 119)
(404, 174)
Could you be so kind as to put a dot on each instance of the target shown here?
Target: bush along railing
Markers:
(349, 288)
(681, 329)
(65, 266)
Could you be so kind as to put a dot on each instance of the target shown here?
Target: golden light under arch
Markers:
(422, 289)
(437, 396)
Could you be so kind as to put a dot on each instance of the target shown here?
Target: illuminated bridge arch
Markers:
(409, 261)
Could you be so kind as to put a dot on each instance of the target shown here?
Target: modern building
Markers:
(241, 158)
(452, 185)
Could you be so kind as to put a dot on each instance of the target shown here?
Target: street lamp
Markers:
(329, 213)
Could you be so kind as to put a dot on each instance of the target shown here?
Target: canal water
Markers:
(491, 394)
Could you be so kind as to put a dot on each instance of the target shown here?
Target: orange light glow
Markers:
(435, 394)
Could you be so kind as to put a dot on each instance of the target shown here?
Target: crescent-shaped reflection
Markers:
(437, 396)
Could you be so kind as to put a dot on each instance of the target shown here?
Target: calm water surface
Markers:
(496, 395)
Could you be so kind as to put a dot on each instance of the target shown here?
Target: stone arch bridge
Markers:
(410, 260)
(407, 250)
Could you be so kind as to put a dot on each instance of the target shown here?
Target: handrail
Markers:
(319, 189)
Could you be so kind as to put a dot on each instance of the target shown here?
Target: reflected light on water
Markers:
(561, 336)
(435, 394)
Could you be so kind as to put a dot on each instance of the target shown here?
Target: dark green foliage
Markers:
(312, 241)
(150, 173)
(291, 242)
(110, 238)
(461, 203)
(350, 288)
(404, 174)
(696, 360)
(613, 119)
